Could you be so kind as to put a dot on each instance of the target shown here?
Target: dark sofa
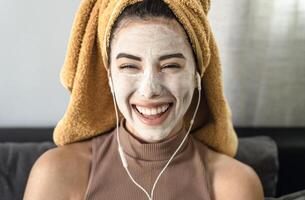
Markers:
(18, 152)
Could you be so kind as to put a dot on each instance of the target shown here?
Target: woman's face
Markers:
(153, 73)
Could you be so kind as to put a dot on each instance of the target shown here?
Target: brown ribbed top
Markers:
(184, 178)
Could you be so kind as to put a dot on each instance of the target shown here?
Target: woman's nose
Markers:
(150, 86)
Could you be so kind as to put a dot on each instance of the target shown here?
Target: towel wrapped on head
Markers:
(90, 110)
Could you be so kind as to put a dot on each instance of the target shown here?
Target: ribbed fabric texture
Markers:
(184, 178)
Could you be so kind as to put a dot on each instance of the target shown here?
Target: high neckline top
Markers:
(186, 176)
(137, 149)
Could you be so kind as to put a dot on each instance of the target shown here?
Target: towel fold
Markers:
(90, 111)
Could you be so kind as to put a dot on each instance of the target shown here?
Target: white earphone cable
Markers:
(124, 161)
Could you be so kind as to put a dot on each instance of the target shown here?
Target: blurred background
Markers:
(262, 48)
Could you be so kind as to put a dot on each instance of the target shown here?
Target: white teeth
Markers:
(152, 111)
(164, 107)
(159, 110)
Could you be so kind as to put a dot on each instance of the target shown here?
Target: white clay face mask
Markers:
(153, 73)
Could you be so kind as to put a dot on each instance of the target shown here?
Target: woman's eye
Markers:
(171, 66)
(128, 67)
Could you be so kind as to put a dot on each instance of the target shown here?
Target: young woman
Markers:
(153, 75)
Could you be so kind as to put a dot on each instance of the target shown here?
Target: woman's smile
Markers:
(152, 115)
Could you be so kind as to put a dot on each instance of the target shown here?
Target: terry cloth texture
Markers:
(145, 161)
(91, 111)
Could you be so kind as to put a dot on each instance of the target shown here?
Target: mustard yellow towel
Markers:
(91, 111)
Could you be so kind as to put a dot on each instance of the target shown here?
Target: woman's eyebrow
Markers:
(175, 55)
(125, 55)
(164, 57)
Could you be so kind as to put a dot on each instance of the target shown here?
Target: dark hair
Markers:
(145, 10)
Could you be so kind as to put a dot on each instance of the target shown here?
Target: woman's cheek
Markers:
(123, 88)
(124, 84)
(179, 85)
(183, 91)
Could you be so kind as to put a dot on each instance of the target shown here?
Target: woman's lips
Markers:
(153, 119)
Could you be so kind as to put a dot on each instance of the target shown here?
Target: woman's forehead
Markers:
(158, 34)
(130, 22)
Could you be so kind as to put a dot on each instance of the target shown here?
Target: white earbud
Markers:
(110, 81)
(198, 80)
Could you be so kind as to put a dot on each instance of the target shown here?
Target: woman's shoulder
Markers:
(232, 179)
(74, 155)
(61, 172)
